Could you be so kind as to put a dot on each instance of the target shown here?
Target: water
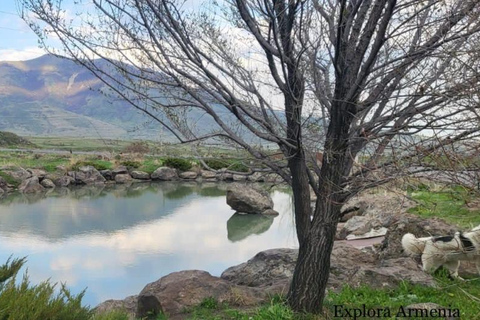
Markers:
(116, 239)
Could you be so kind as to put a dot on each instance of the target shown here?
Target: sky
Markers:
(17, 41)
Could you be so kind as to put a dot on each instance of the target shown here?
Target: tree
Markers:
(372, 75)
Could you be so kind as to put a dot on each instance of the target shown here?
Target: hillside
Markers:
(51, 96)
(11, 140)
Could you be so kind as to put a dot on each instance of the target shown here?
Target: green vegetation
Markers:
(455, 205)
(178, 163)
(36, 302)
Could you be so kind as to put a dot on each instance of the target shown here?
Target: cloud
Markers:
(20, 54)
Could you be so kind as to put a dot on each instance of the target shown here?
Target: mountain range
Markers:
(52, 96)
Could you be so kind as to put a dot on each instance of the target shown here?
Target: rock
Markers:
(177, 291)
(164, 174)
(188, 175)
(239, 177)
(64, 181)
(38, 173)
(88, 175)
(31, 185)
(240, 227)
(391, 246)
(265, 268)
(127, 305)
(123, 178)
(224, 176)
(348, 265)
(270, 212)
(209, 175)
(2, 192)
(429, 309)
(370, 234)
(140, 175)
(247, 199)
(3, 184)
(17, 173)
(256, 177)
(47, 183)
(61, 168)
(119, 170)
(107, 174)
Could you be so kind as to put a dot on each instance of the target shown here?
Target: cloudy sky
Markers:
(17, 41)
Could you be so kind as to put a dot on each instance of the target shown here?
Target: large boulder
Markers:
(31, 185)
(265, 268)
(348, 265)
(245, 199)
(178, 291)
(127, 305)
(164, 174)
(88, 175)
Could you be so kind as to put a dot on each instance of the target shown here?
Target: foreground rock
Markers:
(349, 265)
(178, 291)
(127, 305)
(245, 199)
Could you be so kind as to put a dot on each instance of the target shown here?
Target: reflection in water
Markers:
(240, 226)
(115, 239)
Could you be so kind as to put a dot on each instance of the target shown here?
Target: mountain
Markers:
(51, 96)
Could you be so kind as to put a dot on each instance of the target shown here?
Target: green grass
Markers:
(449, 204)
(453, 294)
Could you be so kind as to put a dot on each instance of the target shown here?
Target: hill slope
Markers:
(50, 96)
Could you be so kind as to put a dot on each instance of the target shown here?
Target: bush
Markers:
(177, 163)
(39, 302)
(131, 164)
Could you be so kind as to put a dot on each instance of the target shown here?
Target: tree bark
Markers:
(312, 270)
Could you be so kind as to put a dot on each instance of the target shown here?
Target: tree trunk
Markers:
(312, 270)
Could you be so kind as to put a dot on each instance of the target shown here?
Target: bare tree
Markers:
(386, 82)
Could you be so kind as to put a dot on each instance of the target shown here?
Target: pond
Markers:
(114, 240)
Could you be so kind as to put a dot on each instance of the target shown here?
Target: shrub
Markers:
(131, 164)
(38, 302)
(177, 163)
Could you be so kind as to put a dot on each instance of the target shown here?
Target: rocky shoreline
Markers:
(38, 180)
(252, 283)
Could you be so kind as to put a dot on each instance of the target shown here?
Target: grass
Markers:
(450, 204)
